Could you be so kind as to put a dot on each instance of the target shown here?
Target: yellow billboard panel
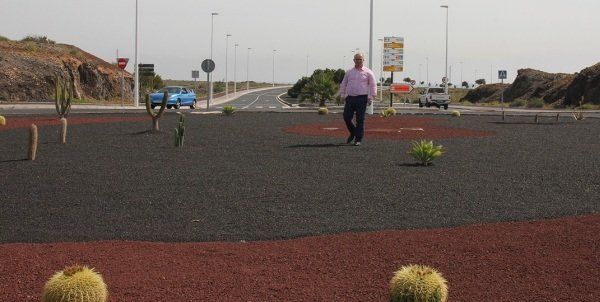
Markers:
(393, 68)
(393, 45)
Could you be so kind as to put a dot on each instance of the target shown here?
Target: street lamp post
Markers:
(381, 73)
(427, 70)
(274, 50)
(461, 73)
(136, 98)
(446, 70)
(235, 69)
(226, 66)
(248, 70)
(210, 82)
(371, 39)
(306, 65)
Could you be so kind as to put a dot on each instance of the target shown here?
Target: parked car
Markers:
(178, 96)
(435, 96)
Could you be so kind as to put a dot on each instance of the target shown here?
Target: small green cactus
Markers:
(180, 131)
(2, 121)
(418, 283)
(323, 111)
(62, 100)
(63, 130)
(455, 113)
(156, 115)
(425, 151)
(75, 284)
(33, 142)
(388, 112)
(228, 109)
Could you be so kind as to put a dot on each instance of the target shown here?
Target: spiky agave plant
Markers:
(418, 283)
(180, 131)
(75, 284)
(228, 109)
(156, 115)
(425, 151)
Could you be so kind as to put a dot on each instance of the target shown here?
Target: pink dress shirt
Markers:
(359, 82)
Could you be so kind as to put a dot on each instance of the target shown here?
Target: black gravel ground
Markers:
(242, 178)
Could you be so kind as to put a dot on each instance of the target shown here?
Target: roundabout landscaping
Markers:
(273, 206)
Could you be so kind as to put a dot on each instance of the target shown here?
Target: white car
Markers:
(435, 96)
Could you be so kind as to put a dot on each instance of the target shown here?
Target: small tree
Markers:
(320, 88)
(480, 82)
(407, 79)
(465, 84)
(295, 91)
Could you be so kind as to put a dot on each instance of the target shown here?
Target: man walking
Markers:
(358, 89)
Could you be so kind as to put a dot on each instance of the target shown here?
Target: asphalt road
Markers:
(257, 101)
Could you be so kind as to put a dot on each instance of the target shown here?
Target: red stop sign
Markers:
(122, 62)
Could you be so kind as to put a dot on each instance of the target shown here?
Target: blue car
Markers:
(178, 96)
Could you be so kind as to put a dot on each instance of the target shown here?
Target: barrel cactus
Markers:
(388, 112)
(455, 113)
(418, 283)
(75, 284)
(2, 121)
(323, 111)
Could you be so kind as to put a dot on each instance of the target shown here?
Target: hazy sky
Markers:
(550, 35)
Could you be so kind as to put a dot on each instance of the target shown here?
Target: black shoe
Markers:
(357, 143)
(350, 139)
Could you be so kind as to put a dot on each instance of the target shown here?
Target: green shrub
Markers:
(38, 39)
(228, 109)
(31, 46)
(588, 106)
(323, 111)
(518, 103)
(3, 38)
(388, 112)
(418, 283)
(425, 151)
(535, 103)
(455, 113)
(75, 284)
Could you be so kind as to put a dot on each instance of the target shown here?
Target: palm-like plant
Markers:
(425, 151)
(320, 88)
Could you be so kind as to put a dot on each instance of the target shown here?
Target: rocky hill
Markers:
(29, 71)
(558, 89)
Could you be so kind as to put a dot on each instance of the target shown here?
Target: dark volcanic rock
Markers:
(535, 84)
(485, 93)
(587, 85)
(29, 71)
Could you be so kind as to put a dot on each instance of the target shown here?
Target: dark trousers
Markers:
(356, 104)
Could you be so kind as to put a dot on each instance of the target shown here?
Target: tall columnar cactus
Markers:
(63, 130)
(75, 284)
(156, 115)
(180, 131)
(418, 283)
(62, 100)
(2, 121)
(33, 141)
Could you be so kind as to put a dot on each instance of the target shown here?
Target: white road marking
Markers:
(259, 107)
(272, 107)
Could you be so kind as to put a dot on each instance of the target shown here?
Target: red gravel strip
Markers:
(553, 260)
(391, 128)
(25, 122)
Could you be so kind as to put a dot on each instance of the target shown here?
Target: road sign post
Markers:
(502, 74)
(393, 58)
(122, 63)
(208, 66)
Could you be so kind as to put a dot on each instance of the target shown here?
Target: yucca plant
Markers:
(2, 121)
(323, 111)
(228, 109)
(388, 112)
(156, 115)
(425, 151)
(418, 283)
(180, 131)
(75, 284)
(62, 100)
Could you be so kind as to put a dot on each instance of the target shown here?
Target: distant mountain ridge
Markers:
(29, 71)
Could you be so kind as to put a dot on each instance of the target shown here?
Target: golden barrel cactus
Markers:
(2, 121)
(418, 283)
(75, 284)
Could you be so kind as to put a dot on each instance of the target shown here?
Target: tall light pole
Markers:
(235, 69)
(371, 40)
(226, 66)
(210, 82)
(427, 70)
(420, 79)
(274, 50)
(461, 73)
(136, 98)
(248, 70)
(446, 70)
(307, 65)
